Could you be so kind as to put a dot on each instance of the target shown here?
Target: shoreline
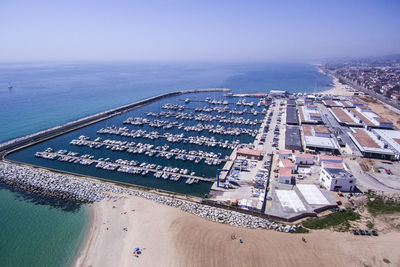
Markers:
(170, 237)
(337, 87)
(87, 238)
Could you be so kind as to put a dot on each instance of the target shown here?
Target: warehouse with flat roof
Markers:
(369, 144)
(292, 138)
(291, 116)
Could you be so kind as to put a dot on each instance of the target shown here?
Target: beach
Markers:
(337, 87)
(168, 236)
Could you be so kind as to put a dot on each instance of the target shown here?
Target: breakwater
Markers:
(30, 139)
(70, 187)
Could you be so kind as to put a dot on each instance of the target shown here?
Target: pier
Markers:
(147, 149)
(120, 165)
(40, 136)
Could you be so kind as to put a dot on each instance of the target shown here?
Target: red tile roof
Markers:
(329, 157)
(285, 172)
(287, 163)
(303, 155)
(249, 152)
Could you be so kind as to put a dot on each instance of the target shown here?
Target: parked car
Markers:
(374, 233)
(355, 232)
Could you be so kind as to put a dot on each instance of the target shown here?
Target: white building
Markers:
(304, 159)
(284, 154)
(334, 179)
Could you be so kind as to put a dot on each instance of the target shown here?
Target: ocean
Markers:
(36, 231)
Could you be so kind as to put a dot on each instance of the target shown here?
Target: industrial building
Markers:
(251, 154)
(292, 138)
(370, 119)
(291, 116)
(309, 114)
(318, 138)
(391, 138)
(369, 144)
(345, 118)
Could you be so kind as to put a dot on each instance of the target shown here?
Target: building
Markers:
(292, 138)
(309, 114)
(318, 138)
(291, 116)
(277, 93)
(370, 119)
(251, 154)
(391, 138)
(370, 145)
(345, 118)
(304, 159)
(326, 164)
(329, 159)
(287, 164)
(285, 176)
(284, 154)
(335, 179)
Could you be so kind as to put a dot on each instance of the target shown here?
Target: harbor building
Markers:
(335, 179)
(391, 138)
(338, 103)
(303, 159)
(284, 154)
(285, 176)
(369, 144)
(291, 116)
(345, 118)
(318, 138)
(309, 114)
(287, 164)
(248, 153)
(292, 138)
(329, 159)
(370, 119)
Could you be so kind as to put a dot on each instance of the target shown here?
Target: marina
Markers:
(157, 145)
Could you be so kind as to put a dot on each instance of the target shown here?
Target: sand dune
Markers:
(174, 238)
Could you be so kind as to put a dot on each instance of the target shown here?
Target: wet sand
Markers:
(171, 237)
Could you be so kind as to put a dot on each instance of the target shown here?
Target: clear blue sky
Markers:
(198, 30)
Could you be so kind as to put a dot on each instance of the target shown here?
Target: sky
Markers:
(218, 30)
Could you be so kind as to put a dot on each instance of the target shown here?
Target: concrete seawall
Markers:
(18, 143)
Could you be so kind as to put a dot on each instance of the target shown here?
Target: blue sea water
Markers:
(47, 94)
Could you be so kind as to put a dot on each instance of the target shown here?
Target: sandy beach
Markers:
(337, 88)
(171, 237)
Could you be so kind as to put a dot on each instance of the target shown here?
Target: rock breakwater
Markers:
(64, 186)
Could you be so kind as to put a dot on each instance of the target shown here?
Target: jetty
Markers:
(40, 136)
(120, 165)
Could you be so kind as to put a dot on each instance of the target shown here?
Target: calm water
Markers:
(202, 169)
(42, 232)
